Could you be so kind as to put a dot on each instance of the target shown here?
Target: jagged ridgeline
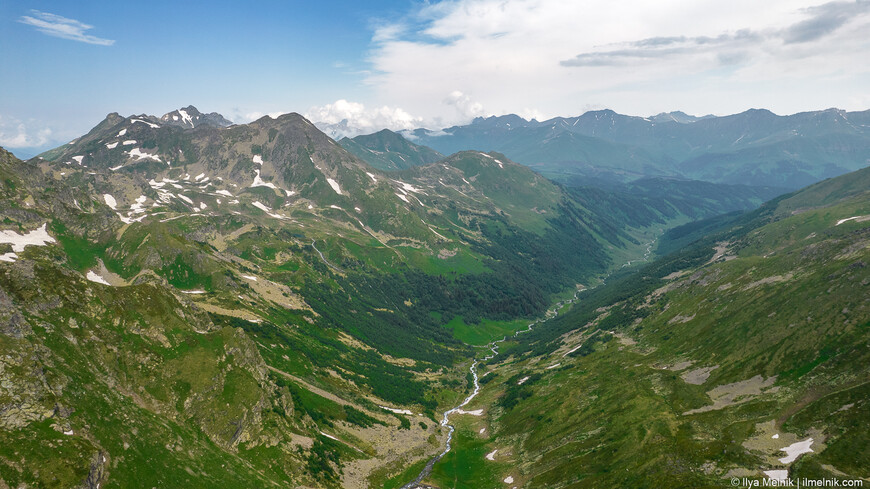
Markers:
(187, 302)
(755, 146)
(743, 354)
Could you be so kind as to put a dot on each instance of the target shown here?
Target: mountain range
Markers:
(755, 146)
(187, 302)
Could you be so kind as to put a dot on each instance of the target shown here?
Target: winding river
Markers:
(493, 347)
(330, 265)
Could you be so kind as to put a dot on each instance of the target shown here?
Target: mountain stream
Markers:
(493, 347)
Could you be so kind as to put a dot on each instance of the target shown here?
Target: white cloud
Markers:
(252, 116)
(551, 57)
(343, 118)
(62, 27)
(16, 134)
(465, 106)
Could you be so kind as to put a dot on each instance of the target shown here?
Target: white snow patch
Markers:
(193, 292)
(265, 208)
(110, 201)
(332, 183)
(436, 232)
(408, 187)
(68, 432)
(185, 117)
(482, 430)
(795, 450)
(250, 277)
(259, 205)
(397, 411)
(37, 237)
(403, 198)
(310, 206)
(115, 168)
(500, 165)
(290, 193)
(185, 198)
(357, 209)
(775, 437)
(553, 366)
(780, 476)
(112, 145)
(137, 207)
(258, 159)
(372, 177)
(476, 412)
(573, 350)
(129, 142)
(128, 220)
(509, 479)
(199, 177)
(8, 257)
(78, 159)
(140, 155)
(523, 380)
(841, 221)
(491, 455)
(122, 132)
(225, 193)
(329, 436)
(94, 277)
(259, 182)
(333, 206)
(202, 206)
(153, 126)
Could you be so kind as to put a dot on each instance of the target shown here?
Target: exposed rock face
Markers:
(190, 117)
(25, 396)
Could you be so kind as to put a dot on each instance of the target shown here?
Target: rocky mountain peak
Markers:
(191, 117)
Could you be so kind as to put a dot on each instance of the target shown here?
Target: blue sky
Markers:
(407, 63)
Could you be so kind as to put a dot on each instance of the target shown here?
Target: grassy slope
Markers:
(789, 308)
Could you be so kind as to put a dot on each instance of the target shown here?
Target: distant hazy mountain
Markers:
(677, 116)
(386, 150)
(755, 147)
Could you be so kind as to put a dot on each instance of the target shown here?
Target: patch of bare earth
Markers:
(699, 375)
(736, 393)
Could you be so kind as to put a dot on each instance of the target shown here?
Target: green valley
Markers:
(255, 304)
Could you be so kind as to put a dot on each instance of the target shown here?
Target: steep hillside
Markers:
(387, 150)
(743, 355)
(254, 305)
